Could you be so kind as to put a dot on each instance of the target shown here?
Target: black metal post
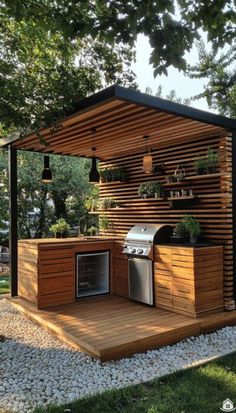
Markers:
(234, 206)
(12, 171)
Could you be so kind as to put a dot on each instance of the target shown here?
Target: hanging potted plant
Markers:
(60, 229)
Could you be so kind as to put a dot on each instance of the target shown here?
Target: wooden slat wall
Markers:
(188, 280)
(214, 206)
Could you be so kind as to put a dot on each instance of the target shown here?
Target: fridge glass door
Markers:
(92, 274)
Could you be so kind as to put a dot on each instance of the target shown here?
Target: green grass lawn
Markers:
(4, 284)
(196, 390)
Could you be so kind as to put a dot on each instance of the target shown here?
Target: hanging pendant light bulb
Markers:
(147, 159)
(94, 174)
(47, 173)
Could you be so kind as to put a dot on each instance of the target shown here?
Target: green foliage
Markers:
(113, 174)
(207, 164)
(104, 223)
(192, 225)
(220, 72)
(172, 96)
(92, 230)
(180, 230)
(60, 227)
(150, 189)
(187, 227)
(107, 203)
(196, 390)
(63, 198)
(92, 200)
(54, 52)
(50, 58)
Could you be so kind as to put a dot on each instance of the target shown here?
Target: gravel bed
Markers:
(36, 368)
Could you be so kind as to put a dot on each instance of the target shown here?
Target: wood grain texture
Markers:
(47, 269)
(214, 193)
(111, 327)
(188, 280)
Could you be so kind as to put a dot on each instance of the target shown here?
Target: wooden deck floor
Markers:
(110, 327)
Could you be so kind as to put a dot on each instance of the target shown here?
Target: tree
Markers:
(172, 96)
(170, 29)
(220, 74)
(42, 73)
(55, 52)
(40, 205)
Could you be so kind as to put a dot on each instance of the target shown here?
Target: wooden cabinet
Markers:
(188, 280)
(46, 269)
(120, 271)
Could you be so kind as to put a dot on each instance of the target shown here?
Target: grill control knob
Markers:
(140, 251)
(133, 250)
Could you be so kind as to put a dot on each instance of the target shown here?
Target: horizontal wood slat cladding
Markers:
(214, 193)
(188, 280)
(120, 126)
(47, 269)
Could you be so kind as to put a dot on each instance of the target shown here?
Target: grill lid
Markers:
(149, 233)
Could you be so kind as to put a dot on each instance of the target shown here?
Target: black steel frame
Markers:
(13, 238)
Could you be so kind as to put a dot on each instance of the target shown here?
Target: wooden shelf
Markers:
(206, 176)
(102, 211)
(180, 198)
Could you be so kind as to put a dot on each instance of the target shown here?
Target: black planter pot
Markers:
(177, 240)
(63, 234)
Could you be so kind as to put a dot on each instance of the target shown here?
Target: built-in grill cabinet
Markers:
(139, 246)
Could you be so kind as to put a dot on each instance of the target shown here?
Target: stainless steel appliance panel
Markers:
(140, 280)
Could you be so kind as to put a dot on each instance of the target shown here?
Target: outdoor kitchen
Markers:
(161, 265)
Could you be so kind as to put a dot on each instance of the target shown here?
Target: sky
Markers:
(184, 86)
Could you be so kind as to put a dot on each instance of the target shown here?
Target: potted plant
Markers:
(187, 228)
(179, 173)
(92, 230)
(212, 161)
(193, 228)
(107, 203)
(142, 190)
(171, 179)
(207, 164)
(106, 175)
(180, 233)
(151, 189)
(60, 229)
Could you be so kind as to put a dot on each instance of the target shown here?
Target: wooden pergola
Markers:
(120, 117)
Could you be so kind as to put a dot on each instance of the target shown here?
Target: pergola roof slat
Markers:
(121, 117)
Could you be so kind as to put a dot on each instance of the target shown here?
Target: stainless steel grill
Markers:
(139, 246)
(141, 238)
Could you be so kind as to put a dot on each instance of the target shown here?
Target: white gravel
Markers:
(36, 368)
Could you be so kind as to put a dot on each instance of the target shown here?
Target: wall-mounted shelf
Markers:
(180, 198)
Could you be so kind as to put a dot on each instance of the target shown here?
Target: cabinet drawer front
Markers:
(56, 285)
